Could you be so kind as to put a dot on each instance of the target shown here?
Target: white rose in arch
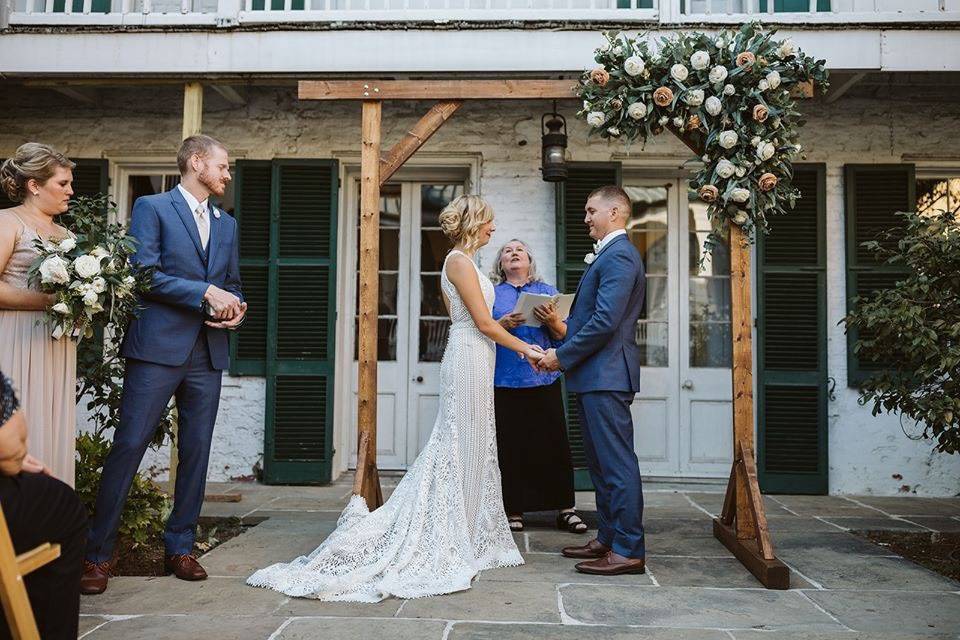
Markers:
(694, 97)
(596, 118)
(87, 266)
(725, 168)
(713, 105)
(633, 65)
(637, 110)
(61, 308)
(679, 72)
(741, 218)
(700, 60)
(718, 74)
(766, 150)
(729, 90)
(740, 194)
(787, 49)
(763, 85)
(90, 298)
(67, 244)
(773, 79)
(54, 269)
(727, 139)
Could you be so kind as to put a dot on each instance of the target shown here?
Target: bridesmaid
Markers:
(43, 370)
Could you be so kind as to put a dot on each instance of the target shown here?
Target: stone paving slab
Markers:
(168, 595)
(838, 635)
(308, 607)
(689, 607)
(88, 623)
(708, 572)
(822, 506)
(911, 505)
(879, 611)
(878, 522)
(181, 627)
(937, 523)
(836, 570)
(492, 601)
(553, 569)
(482, 631)
(244, 554)
(793, 543)
(362, 629)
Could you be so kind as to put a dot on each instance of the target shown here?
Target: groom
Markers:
(601, 362)
(176, 346)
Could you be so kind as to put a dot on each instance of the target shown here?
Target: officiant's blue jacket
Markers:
(172, 316)
(601, 352)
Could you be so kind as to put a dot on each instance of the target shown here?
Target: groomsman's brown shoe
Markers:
(184, 566)
(592, 549)
(94, 578)
(612, 564)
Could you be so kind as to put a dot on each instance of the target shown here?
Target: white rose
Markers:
(633, 65)
(87, 266)
(787, 49)
(54, 269)
(663, 120)
(718, 74)
(766, 150)
(713, 105)
(741, 171)
(679, 72)
(61, 308)
(720, 43)
(613, 131)
(90, 298)
(755, 140)
(99, 285)
(637, 110)
(729, 90)
(763, 85)
(678, 122)
(727, 139)
(67, 244)
(725, 168)
(741, 218)
(773, 79)
(694, 98)
(99, 252)
(740, 194)
(700, 60)
(596, 119)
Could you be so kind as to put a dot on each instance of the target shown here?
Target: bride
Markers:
(445, 521)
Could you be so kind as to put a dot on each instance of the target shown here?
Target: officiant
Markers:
(532, 446)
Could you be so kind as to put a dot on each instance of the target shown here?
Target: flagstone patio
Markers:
(843, 587)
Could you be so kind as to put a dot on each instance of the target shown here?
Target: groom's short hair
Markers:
(614, 195)
(199, 145)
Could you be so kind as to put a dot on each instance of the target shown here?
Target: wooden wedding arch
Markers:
(742, 524)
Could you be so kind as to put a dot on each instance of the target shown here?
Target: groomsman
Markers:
(176, 347)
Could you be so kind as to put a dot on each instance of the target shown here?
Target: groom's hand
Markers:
(225, 305)
(549, 361)
(230, 324)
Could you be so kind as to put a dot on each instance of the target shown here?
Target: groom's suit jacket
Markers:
(600, 352)
(166, 328)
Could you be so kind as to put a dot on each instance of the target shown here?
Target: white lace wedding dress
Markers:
(445, 521)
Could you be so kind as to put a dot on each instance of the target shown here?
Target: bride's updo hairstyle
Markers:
(462, 218)
(32, 161)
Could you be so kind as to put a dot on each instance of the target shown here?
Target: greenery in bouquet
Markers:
(729, 95)
(89, 272)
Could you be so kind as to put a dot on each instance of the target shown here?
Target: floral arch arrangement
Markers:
(731, 97)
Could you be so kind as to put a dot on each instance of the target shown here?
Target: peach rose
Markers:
(663, 96)
(760, 113)
(693, 123)
(745, 58)
(767, 181)
(600, 76)
(708, 193)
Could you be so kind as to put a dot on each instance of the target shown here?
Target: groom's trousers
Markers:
(147, 389)
(614, 469)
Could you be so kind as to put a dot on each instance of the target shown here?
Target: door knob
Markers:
(687, 384)
(418, 379)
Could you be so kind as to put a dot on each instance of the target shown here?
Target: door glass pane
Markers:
(938, 194)
(434, 320)
(388, 275)
(647, 230)
(709, 301)
(151, 184)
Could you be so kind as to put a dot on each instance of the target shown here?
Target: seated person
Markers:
(39, 508)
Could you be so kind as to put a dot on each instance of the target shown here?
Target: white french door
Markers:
(682, 413)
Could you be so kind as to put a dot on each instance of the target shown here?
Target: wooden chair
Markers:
(13, 593)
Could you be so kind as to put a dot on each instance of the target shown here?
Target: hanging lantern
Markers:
(554, 140)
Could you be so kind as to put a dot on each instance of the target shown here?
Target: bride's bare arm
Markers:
(463, 275)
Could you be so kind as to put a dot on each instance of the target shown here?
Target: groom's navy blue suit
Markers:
(601, 362)
(170, 352)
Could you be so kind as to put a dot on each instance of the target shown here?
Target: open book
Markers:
(528, 301)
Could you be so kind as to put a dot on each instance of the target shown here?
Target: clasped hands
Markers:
(542, 361)
(227, 309)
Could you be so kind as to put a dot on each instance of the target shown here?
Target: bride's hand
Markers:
(533, 353)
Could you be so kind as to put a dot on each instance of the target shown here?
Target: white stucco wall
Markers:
(867, 454)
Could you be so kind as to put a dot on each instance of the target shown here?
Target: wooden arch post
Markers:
(741, 526)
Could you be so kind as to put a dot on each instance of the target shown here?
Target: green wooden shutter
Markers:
(573, 244)
(301, 296)
(791, 349)
(97, 6)
(874, 194)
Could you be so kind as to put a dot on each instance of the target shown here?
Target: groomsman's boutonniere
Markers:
(590, 257)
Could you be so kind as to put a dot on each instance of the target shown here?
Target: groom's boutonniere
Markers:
(590, 257)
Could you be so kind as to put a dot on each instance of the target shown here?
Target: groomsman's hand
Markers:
(549, 361)
(225, 305)
(230, 324)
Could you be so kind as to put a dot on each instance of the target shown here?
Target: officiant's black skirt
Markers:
(532, 446)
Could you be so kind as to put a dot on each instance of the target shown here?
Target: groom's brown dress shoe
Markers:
(94, 578)
(592, 549)
(184, 567)
(612, 564)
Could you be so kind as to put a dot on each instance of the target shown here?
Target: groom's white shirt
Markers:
(600, 244)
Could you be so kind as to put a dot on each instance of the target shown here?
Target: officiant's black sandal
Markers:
(570, 521)
(515, 522)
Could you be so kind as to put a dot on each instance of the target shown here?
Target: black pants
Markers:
(41, 509)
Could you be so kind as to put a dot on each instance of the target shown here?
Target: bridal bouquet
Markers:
(89, 272)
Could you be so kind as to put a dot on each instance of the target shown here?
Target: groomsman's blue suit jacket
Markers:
(601, 352)
(172, 317)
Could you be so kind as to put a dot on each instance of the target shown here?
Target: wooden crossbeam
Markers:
(416, 137)
(435, 89)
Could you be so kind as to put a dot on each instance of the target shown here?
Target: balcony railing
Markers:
(226, 13)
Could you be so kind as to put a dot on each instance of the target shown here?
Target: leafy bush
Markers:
(916, 326)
